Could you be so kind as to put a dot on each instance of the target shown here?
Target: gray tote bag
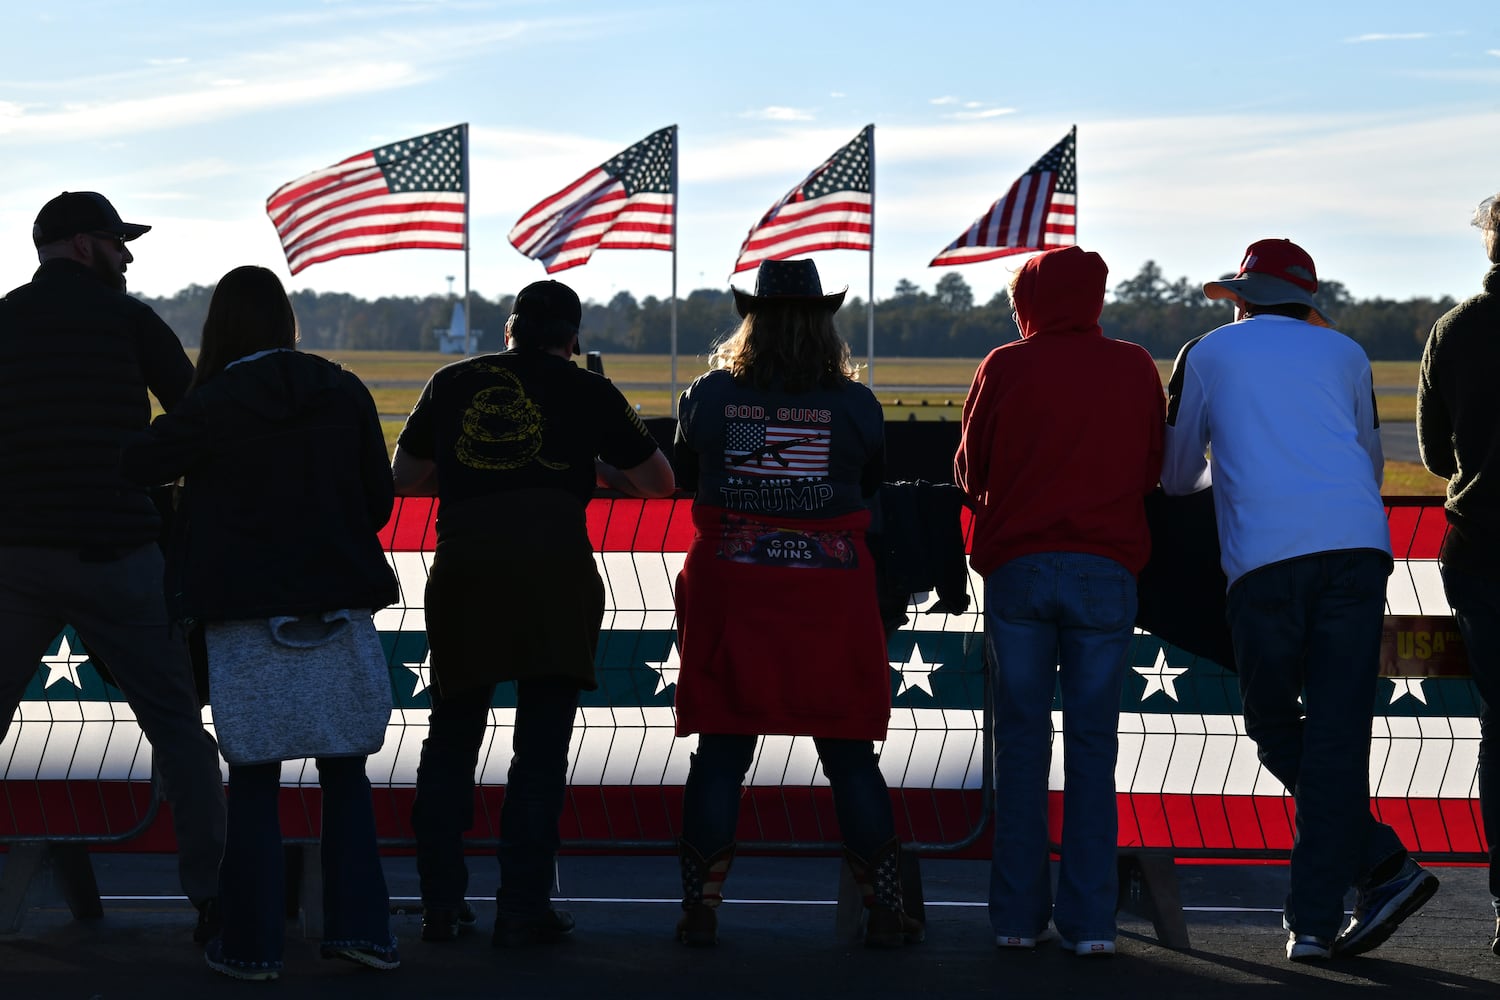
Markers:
(285, 688)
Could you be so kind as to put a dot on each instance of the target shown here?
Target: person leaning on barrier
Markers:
(78, 544)
(779, 629)
(1059, 537)
(1458, 434)
(513, 445)
(1296, 470)
(285, 487)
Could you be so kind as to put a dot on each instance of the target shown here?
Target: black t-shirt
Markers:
(810, 454)
(522, 420)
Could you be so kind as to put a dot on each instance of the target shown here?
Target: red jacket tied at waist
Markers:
(778, 628)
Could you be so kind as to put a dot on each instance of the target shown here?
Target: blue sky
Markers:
(1366, 131)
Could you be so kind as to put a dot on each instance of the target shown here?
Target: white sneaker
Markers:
(1016, 941)
(1099, 947)
(1307, 947)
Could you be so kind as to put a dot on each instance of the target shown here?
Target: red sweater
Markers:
(1062, 430)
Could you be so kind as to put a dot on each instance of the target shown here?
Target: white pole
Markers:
(468, 349)
(673, 401)
(870, 304)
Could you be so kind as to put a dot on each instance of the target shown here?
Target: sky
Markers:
(1364, 130)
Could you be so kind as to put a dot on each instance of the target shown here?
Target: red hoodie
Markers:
(1062, 430)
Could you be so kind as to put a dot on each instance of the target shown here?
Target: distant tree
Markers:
(953, 293)
(1148, 286)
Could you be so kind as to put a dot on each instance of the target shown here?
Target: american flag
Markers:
(626, 203)
(833, 209)
(408, 195)
(1039, 212)
(772, 451)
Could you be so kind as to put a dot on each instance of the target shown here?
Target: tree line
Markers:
(1148, 309)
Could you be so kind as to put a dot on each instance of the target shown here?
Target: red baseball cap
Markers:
(1273, 272)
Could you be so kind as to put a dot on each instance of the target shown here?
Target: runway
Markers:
(777, 939)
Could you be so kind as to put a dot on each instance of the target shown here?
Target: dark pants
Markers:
(118, 611)
(711, 796)
(534, 792)
(1310, 627)
(356, 907)
(1476, 606)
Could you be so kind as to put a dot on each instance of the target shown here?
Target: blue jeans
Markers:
(252, 887)
(711, 796)
(1057, 618)
(1476, 606)
(534, 792)
(1310, 627)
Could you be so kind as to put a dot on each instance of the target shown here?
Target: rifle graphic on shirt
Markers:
(757, 449)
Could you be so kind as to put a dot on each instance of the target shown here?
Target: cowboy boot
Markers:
(702, 892)
(879, 879)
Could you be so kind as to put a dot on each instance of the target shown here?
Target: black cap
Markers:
(74, 212)
(551, 305)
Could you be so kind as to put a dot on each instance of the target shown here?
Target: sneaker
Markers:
(213, 955)
(1091, 948)
(1379, 909)
(210, 921)
(374, 958)
(545, 927)
(441, 923)
(1307, 947)
(1017, 941)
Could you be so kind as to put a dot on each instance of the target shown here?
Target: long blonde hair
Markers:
(791, 346)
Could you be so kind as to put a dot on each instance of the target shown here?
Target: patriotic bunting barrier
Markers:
(74, 764)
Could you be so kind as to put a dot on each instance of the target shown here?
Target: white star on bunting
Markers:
(1408, 686)
(423, 672)
(1160, 676)
(666, 670)
(915, 672)
(63, 665)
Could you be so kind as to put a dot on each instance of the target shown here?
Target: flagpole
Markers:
(673, 402)
(870, 305)
(465, 171)
(1074, 133)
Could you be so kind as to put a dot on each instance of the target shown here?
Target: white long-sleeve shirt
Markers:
(1287, 409)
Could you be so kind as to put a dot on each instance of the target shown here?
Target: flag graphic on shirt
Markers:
(410, 194)
(1039, 212)
(833, 209)
(626, 203)
(775, 451)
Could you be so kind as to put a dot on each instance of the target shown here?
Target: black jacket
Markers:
(1458, 425)
(917, 540)
(287, 483)
(77, 359)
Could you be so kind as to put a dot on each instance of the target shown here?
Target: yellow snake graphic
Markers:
(502, 427)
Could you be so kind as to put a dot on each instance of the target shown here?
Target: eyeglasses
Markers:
(115, 238)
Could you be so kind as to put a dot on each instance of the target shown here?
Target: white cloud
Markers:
(943, 100)
(777, 113)
(1409, 36)
(837, 93)
(172, 92)
(972, 116)
(1493, 52)
(207, 101)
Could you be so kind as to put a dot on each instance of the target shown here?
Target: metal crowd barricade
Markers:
(75, 774)
(628, 768)
(1191, 787)
(75, 771)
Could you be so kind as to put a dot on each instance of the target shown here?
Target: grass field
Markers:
(930, 389)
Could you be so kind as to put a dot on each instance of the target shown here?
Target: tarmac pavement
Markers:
(777, 939)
